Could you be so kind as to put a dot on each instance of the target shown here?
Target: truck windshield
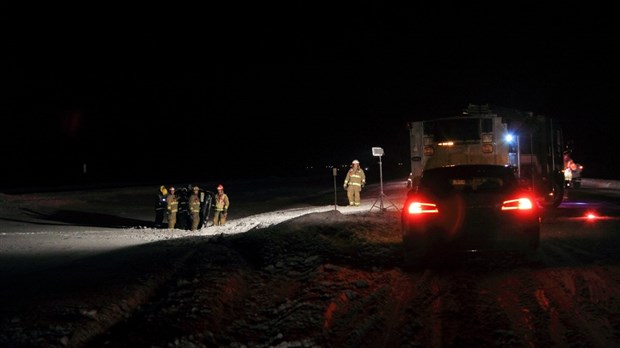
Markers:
(457, 130)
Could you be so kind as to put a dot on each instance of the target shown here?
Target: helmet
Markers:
(220, 187)
(355, 162)
(171, 188)
(196, 188)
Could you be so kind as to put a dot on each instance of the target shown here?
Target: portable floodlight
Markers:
(378, 152)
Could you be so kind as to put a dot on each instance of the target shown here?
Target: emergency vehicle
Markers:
(531, 144)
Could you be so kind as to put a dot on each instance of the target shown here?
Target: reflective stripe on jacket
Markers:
(194, 204)
(355, 177)
(173, 204)
(221, 202)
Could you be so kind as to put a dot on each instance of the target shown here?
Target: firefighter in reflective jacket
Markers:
(354, 182)
(221, 207)
(172, 208)
(194, 208)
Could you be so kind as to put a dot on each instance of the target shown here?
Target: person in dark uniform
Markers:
(160, 206)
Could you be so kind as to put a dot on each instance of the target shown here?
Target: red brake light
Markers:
(518, 204)
(422, 208)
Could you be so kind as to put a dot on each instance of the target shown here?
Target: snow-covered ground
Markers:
(41, 230)
(53, 244)
(291, 269)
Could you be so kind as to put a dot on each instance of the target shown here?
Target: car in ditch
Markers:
(471, 207)
(184, 219)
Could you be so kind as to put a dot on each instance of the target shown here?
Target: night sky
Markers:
(270, 89)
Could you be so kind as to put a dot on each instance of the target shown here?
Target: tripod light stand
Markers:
(378, 152)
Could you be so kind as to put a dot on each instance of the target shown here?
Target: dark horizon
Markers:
(250, 91)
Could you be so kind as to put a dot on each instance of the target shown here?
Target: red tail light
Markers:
(518, 204)
(422, 208)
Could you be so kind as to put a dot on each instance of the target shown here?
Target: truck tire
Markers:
(557, 187)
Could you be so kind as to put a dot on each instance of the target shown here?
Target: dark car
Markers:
(468, 208)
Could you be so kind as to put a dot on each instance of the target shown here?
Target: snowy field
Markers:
(43, 230)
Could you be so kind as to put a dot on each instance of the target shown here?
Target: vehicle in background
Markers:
(468, 208)
(530, 144)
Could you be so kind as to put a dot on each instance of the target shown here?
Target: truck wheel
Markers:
(558, 196)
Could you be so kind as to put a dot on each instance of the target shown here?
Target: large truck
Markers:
(531, 144)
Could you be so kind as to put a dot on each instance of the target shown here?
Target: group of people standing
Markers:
(198, 204)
